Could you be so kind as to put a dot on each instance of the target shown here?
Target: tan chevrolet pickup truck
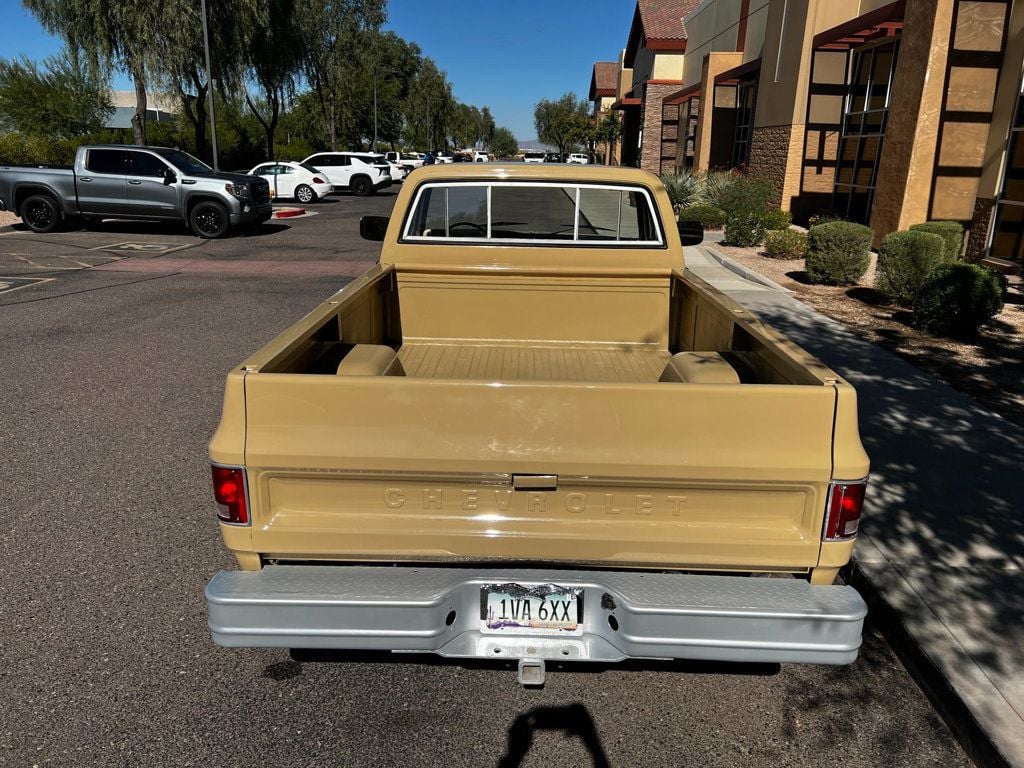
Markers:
(529, 433)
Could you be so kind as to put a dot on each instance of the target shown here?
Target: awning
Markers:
(738, 74)
(683, 96)
(883, 22)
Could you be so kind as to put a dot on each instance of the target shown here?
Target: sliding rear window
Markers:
(534, 213)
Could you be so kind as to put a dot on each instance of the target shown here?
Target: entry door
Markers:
(148, 192)
(103, 185)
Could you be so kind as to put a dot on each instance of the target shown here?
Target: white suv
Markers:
(578, 159)
(362, 172)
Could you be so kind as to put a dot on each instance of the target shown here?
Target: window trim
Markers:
(660, 243)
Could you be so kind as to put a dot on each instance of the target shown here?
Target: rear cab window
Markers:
(112, 161)
(534, 212)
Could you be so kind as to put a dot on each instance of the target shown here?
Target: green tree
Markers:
(609, 129)
(181, 65)
(503, 143)
(275, 52)
(564, 122)
(429, 108)
(118, 32)
(334, 38)
(67, 98)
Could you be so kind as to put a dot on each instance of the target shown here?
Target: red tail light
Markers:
(229, 491)
(318, 180)
(842, 517)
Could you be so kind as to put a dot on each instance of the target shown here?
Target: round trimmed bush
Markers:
(825, 217)
(744, 230)
(951, 232)
(785, 244)
(838, 252)
(704, 213)
(957, 299)
(904, 261)
(777, 220)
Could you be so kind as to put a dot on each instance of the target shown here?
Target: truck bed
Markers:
(533, 363)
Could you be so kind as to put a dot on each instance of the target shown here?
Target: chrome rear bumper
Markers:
(625, 614)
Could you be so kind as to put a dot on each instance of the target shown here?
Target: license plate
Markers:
(544, 608)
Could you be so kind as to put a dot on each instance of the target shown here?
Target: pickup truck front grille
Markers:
(260, 192)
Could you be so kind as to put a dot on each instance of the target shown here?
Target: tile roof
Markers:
(663, 19)
(605, 78)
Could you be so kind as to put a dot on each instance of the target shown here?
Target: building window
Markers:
(746, 98)
(866, 112)
(1008, 232)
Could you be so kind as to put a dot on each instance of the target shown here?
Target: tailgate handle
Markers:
(535, 482)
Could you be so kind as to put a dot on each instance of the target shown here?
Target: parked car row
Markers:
(572, 158)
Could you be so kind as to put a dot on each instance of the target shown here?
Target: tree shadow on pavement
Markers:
(944, 495)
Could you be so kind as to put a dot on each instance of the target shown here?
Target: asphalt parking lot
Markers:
(112, 370)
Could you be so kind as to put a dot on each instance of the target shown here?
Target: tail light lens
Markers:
(229, 491)
(318, 180)
(842, 518)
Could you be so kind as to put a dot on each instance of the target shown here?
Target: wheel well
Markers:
(358, 176)
(23, 193)
(195, 200)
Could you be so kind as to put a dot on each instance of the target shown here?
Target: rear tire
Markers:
(361, 186)
(41, 213)
(209, 220)
(305, 194)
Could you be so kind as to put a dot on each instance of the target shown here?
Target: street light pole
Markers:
(209, 86)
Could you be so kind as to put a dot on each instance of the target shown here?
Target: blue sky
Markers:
(505, 56)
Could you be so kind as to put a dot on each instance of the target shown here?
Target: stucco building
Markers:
(604, 88)
(885, 112)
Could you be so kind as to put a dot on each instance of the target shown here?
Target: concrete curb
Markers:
(7, 228)
(747, 274)
(959, 718)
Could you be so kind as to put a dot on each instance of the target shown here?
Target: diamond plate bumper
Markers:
(625, 614)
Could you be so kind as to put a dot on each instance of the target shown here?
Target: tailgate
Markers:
(691, 476)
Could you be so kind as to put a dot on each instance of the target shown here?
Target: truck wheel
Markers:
(361, 186)
(305, 194)
(41, 213)
(209, 219)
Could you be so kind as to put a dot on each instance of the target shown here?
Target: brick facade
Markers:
(658, 150)
(776, 154)
(977, 239)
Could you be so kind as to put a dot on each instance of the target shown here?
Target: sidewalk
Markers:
(942, 539)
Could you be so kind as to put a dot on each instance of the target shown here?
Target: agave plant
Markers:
(715, 185)
(684, 189)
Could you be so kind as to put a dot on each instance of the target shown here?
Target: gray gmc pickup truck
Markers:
(130, 182)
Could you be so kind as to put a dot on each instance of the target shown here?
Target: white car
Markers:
(533, 157)
(482, 157)
(411, 159)
(578, 159)
(294, 180)
(362, 172)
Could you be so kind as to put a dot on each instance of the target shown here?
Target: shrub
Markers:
(684, 189)
(745, 202)
(951, 232)
(838, 252)
(744, 230)
(704, 213)
(957, 299)
(746, 195)
(777, 220)
(904, 260)
(785, 244)
(825, 217)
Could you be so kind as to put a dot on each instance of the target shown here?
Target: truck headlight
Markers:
(241, 191)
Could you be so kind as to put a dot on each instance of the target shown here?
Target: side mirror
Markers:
(170, 176)
(373, 227)
(691, 232)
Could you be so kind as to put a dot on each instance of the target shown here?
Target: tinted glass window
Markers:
(329, 161)
(106, 161)
(309, 167)
(145, 164)
(183, 161)
(615, 215)
(467, 212)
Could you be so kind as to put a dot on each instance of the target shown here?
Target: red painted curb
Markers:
(287, 213)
